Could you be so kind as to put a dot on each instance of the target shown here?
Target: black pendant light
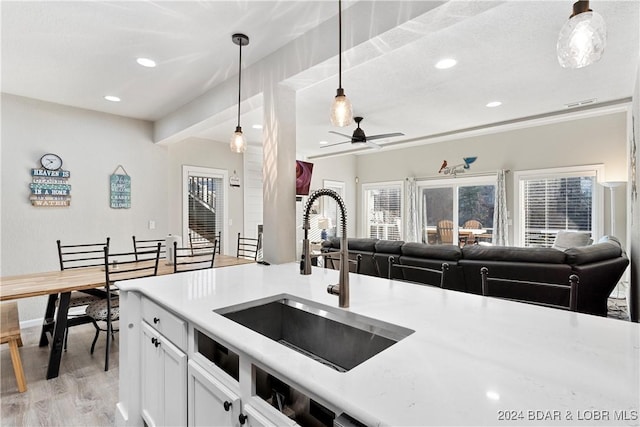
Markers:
(341, 111)
(238, 142)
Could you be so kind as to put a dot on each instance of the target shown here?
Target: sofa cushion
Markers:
(593, 253)
(331, 242)
(512, 253)
(571, 239)
(389, 246)
(362, 244)
(438, 252)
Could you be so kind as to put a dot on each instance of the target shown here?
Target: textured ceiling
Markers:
(74, 53)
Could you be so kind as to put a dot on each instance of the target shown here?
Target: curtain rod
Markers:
(462, 175)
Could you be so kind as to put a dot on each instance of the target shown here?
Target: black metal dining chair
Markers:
(196, 241)
(514, 286)
(119, 267)
(76, 256)
(248, 247)
(418, 274)
(194, 258)
(331, 260)
(149, 244)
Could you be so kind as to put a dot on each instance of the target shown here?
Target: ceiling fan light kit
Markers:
(359, 138)
(238, 143)
(341, 111)
(583, 37)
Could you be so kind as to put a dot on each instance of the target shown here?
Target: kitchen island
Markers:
(470, 360)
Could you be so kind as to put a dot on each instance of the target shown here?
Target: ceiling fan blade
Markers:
(384, 135)
(341, 134)
(331, 145)
(373, 145)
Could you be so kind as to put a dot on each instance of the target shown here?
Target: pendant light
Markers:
(582, 38)
(341, 112)
(238, 142)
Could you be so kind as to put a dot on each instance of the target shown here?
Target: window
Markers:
(204, 205)
(457, 211)
(556, 199)
(382, 207)
(330, 208)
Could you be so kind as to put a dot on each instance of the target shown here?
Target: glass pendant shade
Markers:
(341, 111)
(582, 40)
(238, 143)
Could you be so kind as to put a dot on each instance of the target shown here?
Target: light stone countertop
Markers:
(471, 360)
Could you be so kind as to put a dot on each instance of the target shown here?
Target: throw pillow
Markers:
(572, 239)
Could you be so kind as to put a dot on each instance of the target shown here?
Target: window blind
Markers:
(556, 203)
(384, 214)
(205, 208)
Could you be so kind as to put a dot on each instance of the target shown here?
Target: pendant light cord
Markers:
(340, 43)
(239, 80)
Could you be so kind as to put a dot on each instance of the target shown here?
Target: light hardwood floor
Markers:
(82, 395)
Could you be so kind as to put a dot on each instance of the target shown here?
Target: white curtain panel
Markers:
(500, 224)
(412, 234)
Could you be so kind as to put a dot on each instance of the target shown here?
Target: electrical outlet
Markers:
(152, 225)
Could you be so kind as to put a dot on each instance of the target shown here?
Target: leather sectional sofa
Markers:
(599, 267)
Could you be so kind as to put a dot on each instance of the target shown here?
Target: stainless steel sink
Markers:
(337, 338)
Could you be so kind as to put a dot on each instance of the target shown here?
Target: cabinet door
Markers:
(255, 418)
(211, 403)
(259, 414)
(174, 387)
(151, 372)
(164, 380)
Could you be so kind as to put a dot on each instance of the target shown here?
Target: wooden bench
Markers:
(10, 333)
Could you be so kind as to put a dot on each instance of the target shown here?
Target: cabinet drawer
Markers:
(169, 325)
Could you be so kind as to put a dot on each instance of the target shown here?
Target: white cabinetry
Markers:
(177, 375)
(211, 403)
(163, 373)
(265, 416)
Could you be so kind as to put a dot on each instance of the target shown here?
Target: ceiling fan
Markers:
(359, 137)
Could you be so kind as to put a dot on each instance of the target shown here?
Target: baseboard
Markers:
(32, 323)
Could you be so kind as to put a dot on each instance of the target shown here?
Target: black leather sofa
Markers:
(599, 267)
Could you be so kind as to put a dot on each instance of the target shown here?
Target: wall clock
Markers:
(51, 161)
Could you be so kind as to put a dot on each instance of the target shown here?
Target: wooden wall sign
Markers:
(120, 189)
(49, 184)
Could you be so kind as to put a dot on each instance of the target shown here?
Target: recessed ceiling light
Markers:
(494, 104)
(256, 126)
(324, 142)
(112, 98)
(493, 395)
(443, 64)
(146, 62)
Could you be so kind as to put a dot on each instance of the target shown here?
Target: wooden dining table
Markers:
(59, 284)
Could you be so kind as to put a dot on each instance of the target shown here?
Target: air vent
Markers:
(580, 103)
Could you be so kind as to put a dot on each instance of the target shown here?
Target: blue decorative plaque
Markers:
(120, 194)
(50, 187)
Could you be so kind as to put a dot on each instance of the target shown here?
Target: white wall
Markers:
(338, 169)
(91, 145)
(253, 190)
(594, 140)
(210, 154)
